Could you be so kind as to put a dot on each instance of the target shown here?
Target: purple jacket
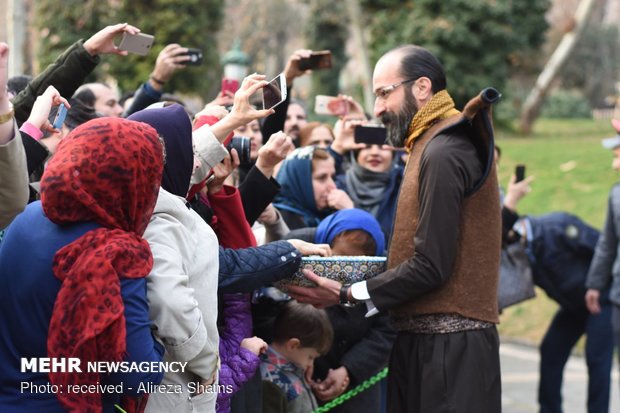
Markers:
(238, 364)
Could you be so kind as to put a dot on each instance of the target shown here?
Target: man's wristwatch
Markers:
(344, 296)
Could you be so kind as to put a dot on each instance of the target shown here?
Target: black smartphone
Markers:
(519, 173)
(370, 134)
(317, 60)
(195, 57)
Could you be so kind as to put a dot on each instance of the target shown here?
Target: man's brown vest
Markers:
(471, 290)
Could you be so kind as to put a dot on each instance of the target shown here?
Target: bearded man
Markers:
(441, 283)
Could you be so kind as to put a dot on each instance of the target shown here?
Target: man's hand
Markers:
(592, 301)
(170, 59)
(333, 386)
(291, 70)
(325, 294)
(307, 248)
(39, 116)
(338, 199)
(273, 152)
(255, 344)
(102, 42)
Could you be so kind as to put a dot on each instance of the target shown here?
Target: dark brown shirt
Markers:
(449, 168)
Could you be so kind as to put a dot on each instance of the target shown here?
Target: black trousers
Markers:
(445, 373)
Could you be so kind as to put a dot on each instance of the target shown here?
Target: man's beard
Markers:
(397, 124)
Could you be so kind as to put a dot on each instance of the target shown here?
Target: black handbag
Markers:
(515, 276)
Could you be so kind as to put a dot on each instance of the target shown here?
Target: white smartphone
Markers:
(136, 43)
(275, 92)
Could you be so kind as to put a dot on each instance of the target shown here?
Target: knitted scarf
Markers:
(106, 171)
(441, 106)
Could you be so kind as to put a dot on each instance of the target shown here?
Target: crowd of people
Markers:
(150, 242)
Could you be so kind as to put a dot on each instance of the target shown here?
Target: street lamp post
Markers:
(236, 63)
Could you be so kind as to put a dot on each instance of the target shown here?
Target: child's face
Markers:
(615, 163)
(303, 357)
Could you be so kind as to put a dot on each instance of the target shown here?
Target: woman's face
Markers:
(252, 131)
(321, 137)
(376, 158)
(323, 172)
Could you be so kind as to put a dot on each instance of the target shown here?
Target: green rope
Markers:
(353, 392)
(120, 408)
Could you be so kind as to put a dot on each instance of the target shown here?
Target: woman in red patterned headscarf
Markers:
(78, 289)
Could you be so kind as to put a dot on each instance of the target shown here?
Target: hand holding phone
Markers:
(138, 43)
(317, 60)
(195, 57)
(370, 134)
(519, 173)
(274, 92)
(331, 105)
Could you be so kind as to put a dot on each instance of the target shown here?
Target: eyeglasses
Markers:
(384, 92)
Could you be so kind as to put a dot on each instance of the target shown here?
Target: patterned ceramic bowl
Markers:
(344, 269)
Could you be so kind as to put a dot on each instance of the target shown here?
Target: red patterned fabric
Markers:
(107, 171)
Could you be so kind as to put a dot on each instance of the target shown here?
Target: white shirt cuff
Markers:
(359, 292)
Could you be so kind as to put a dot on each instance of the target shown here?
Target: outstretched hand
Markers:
(292, 70)
(102, 42)
(307, 248)
(243, 111)
(222, 171)
(39, 116)
(325, 294)
(273, 152)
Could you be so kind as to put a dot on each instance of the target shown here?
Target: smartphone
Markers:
(60, 116)
(519, 173)
(231, 85)
(195, 57)
(274, 92)
(317, 60)
(330, 105)
(370, 134)
(136, 43)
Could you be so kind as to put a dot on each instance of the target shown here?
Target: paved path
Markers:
(520, 381)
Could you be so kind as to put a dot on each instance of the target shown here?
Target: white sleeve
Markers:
(208, 150)
(359, 291)
(174, 311)
(14, 182)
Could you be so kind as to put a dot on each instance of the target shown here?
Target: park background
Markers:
(557, 64)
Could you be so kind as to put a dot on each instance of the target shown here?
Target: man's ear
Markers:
(422, 89)
(292, 344)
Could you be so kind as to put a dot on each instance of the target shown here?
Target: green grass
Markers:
(573, 174)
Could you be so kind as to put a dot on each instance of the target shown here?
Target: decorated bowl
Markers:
(344, 269)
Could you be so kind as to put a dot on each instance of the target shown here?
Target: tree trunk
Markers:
(355, 15)
(536, 97)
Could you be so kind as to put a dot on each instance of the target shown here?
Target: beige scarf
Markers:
(441, 106)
